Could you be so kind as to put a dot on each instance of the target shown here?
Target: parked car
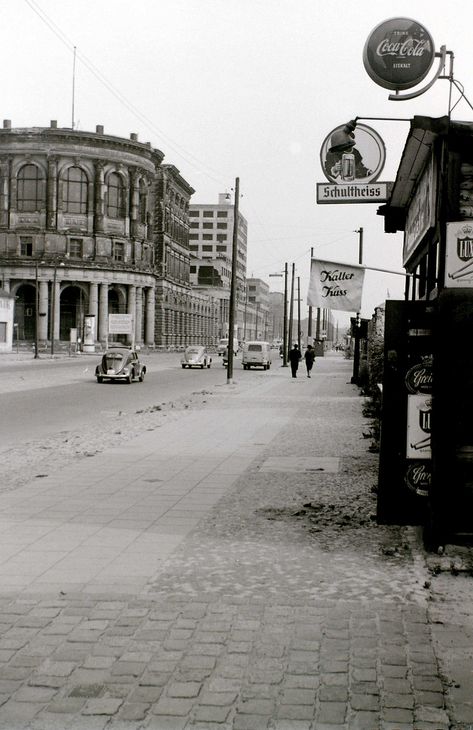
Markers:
(196, 356)
(120, 363)
(256, 354)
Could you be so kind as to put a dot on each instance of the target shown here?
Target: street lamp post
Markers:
(284, 327)
(291, 306)
(53, 309)
(53, 305)
(356, 351)
(231, 313)
(309, 323)
(284, 332)
(36, 334)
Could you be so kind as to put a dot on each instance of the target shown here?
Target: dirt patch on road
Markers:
(40, 458)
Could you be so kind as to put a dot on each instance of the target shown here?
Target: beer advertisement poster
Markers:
(459, 258)
(419, 411)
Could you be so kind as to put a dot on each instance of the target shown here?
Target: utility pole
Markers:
(284, 336)
(231, 314)
(357, 323)
(309, 324)
(360, 245)
(299, 312)
(291, 306)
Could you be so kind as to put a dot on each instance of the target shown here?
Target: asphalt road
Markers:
(44, 397)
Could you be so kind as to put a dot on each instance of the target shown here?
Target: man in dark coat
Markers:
(294, 358)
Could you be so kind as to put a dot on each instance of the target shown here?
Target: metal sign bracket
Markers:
(442, 55)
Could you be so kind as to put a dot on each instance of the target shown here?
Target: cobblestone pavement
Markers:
(286, 607)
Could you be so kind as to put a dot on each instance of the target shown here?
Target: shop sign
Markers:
(418, 379)
(466, 190)
(419, 417)
(377, 192)
(360, 160)
(459, 255)
(421, 212)
(352, 157)
(120, 324)
(399, 53)
(418, 477)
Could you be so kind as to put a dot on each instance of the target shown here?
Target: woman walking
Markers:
(309, 357)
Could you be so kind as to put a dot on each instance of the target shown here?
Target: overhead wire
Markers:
(187, 156)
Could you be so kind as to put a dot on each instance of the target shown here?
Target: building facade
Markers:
(211, 246)
(257, 319)
(426, 456)
(93, 225)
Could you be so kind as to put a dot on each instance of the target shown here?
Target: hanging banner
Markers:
(335, 286)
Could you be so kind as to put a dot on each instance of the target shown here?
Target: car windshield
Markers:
(254, 348)
(193, 350)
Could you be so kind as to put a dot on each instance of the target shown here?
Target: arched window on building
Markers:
(30, 189)
(116, 207)
(75, 191)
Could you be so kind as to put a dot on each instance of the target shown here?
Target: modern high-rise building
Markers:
(211, 245)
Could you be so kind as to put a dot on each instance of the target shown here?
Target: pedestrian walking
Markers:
(294, 358)
(309, 357)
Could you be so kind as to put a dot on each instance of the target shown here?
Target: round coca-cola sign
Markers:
(399, 53)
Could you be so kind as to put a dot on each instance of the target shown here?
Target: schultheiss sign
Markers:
(352, 157)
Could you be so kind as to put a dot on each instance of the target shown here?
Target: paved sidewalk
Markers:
(224, 572)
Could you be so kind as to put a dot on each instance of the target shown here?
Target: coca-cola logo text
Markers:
(409, 47)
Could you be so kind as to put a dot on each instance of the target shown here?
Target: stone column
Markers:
(51, 194)
(93, 310)
(43, 310)
(150, 311)
(103, 314)
(93, 299)
(56, 315)
(139, 315)
(99, 202)
(4, 192)
(134, 202)
(131, 309)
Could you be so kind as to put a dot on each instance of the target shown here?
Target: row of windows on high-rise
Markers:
(221, 226)
(194, 213)
(207, 247)
(31, 193)
(221, 238)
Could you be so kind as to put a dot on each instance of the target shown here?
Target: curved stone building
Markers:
(93, 225)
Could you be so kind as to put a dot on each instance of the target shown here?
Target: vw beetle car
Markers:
(120, 363)
(196, 356)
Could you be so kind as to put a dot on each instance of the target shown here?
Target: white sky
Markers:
(236, 88)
